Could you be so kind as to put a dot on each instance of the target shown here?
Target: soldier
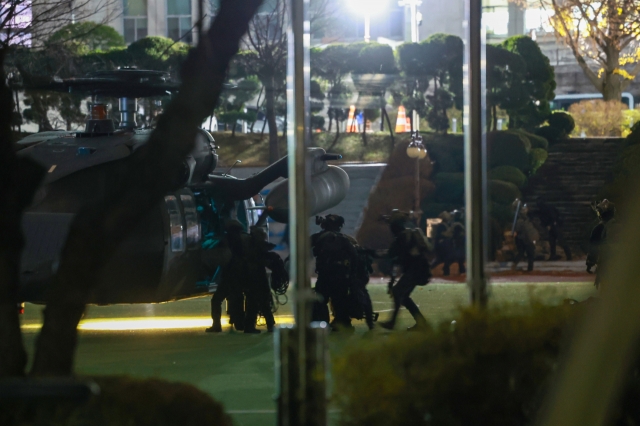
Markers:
(525, 235)
(550, 219)
(459, 239)
(256, 287)
(360, 305)
(443, 243)
(335, 260)
(232, 271)
(409, 251)
(600, 236)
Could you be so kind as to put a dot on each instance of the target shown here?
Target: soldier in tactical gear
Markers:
(335, 260)
(600, 238)
(232, 269)
(443, 244)
(550, 219)
(409, 251)
(360, 305)
(526, 236)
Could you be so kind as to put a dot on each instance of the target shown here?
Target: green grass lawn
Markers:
(235, 368)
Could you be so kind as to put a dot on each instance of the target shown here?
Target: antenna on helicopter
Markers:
(231, 168)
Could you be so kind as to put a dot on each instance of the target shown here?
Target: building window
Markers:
(135, 20)
(179, 26)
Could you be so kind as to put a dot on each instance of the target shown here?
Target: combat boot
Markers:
(420, 325)
(215, 328)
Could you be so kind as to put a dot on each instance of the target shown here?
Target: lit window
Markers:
(135, 20)
(179, 24)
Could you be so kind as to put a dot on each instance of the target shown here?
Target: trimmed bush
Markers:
(537, 141)
(509, 149)
(503, 192)
(551, 134)
(447, 153)
(375, 58)
(123, 401)
(538, 158)
(634, 136)
(509, 174)
(503, 213)
(489, 367)
(449, 188)
(562, 121)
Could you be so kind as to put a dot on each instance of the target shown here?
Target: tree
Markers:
(87, 37)
(539, 84)
(98, 228)
(604, 38)
(231, 118)
(505, 83)
(267, 59)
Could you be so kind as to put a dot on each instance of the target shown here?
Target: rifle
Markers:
(515, 218)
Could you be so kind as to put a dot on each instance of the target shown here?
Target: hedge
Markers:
(538, 158)
(449, 188)
(509, 149)
(489, 367)
(503, 192)
(509, 174)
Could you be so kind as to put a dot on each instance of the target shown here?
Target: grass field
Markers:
(168, 341)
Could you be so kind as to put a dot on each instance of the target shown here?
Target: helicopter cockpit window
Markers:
(191, 220)
(175, 223)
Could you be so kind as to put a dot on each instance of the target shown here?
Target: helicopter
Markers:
(160, 261)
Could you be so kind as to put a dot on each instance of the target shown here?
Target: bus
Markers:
(563, 102)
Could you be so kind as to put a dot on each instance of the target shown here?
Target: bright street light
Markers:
(368, 8)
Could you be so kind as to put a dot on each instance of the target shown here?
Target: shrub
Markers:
(509, 149)
(503, 213)
(537, 141)
(509, 174)
(449, 188)
(447, 153)
(125, 401)
(486, 368)
(551, 134)
(562, 121)
(538, 158)
(375, 58)
(503, 192)
(597, 117)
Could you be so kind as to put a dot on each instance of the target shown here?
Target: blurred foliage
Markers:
(487, 367)
(503, 192)
(124, 401)
(562, 121)
(449, 188)
(372, 58)
(538, 158)
(509, 174)
(536, 141)
(597, 117)
(626, 172)
(86, 37)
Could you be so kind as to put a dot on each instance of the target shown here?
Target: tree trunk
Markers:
(386, 115)
(330, 123)
(612, 82)
(149, 173)
(19, 179)
(335, 140)
(270, 97)
(364, 128)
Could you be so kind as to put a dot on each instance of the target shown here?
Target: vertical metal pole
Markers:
(367, 27)
(475, 153)
(417, 189)
(302, 400)
(200, 23)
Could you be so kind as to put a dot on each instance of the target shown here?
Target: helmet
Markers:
(331, 222)
(606, 209)
(396, 217)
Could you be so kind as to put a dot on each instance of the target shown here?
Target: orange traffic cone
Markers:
(403, 124)
(351, 121)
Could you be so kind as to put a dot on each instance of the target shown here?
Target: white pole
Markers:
(367, 27)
